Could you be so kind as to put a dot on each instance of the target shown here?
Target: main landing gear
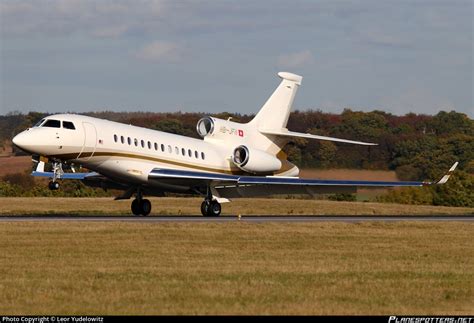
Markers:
(210, 208)
(141, 206)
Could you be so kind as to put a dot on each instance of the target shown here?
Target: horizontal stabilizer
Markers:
(286, 133)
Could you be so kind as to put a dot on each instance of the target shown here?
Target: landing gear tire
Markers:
(136, 207)
(210, 208)
(141, 207)
(215, 209)
(145, 207)
(204, 207)
(53, 186)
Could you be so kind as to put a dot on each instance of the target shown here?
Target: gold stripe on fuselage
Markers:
(286, 165)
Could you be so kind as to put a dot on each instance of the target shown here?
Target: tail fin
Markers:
(275, 112)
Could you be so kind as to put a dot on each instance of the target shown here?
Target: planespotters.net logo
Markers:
(419, 319)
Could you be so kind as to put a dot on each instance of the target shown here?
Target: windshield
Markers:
(68, 125)
(52, 123)
(39, 123)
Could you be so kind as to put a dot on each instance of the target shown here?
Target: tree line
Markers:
(415, 146)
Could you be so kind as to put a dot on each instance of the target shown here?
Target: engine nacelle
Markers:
(220, 129)
(205, 126)
(255, 160)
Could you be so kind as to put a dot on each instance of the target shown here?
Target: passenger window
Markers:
(156, 146)
(135, 141)
(129, 140)
(196, 154)
(52, 123)
(162, 147)
(143, 143)
(115, 138)
(68, 125)
(176, 150)
(169, 149)
(190, 153)
(183, 151)
(122, 139)
(203, 156)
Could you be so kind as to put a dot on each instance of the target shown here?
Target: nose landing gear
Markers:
(57, 173)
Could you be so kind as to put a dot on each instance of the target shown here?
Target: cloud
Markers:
(387, 38)
(296, 59)
(62, 17)
(353, 53)
(159, 51)
(110, 31)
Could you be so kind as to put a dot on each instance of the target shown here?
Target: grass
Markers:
(191, 206)
(237, 268)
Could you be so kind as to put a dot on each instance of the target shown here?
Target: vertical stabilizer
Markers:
(275, 112)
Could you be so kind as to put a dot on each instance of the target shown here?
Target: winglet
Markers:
(445, 178)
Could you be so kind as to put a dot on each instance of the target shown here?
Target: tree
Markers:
(327, 153)
(445, 123)
(172, 126)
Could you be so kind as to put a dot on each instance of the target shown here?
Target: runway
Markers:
(251, 219)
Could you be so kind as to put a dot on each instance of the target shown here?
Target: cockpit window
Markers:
(39, 123)
(52, 123)
(68, 125)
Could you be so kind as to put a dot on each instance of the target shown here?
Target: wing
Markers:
(39, 171)
(231, 186)
(65, 175)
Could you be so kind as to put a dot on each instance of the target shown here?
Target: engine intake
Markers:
(255, 160)
(241, 156)
(205, 126)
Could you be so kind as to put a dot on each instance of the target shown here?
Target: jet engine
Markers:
(209, 127)
(205, 126)
(255, 160)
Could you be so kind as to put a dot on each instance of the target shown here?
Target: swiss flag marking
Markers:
(241, 133)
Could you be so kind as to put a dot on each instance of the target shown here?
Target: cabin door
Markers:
(90, 141)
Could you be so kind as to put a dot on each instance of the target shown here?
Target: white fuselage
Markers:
(128, 153)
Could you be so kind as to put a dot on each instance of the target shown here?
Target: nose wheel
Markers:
(53, 185)
(210, 208)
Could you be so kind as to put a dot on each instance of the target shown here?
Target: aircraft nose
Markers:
(20, 140)
(26, 141)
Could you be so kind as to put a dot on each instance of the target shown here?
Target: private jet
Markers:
(231, 160)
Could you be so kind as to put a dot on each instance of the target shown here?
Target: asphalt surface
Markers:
(256, 219)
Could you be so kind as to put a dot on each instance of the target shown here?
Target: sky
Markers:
(214, 56)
